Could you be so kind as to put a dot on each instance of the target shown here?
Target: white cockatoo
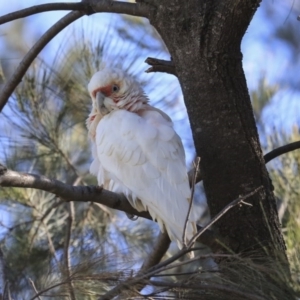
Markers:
(137, 152)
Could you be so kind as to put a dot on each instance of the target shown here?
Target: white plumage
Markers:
(137, 152)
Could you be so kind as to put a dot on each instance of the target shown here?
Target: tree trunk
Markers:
(204, 39)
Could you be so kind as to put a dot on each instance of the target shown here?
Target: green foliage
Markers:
(284, 172)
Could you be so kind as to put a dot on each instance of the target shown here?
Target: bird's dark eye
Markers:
(115, 88)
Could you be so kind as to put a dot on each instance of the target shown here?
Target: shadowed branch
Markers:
(281, 150)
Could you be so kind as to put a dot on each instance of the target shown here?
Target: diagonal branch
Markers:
(9, 178)
(281, 150)
(2, 275)
(42, 8)
(191, 200)
(87, 6)
(16, 78)
(159, 249)
(34, 288)
(67, 259)
(229, 206)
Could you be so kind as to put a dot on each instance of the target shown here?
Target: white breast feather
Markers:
(143, 157)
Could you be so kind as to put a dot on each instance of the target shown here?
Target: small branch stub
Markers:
(160, 65)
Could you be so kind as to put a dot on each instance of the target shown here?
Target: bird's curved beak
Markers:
(100, 103)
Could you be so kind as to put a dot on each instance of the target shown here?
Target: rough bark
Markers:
(204, 39)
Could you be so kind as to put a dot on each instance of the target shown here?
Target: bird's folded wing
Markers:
(145, 154)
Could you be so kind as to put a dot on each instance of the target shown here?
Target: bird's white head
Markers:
(113, 88)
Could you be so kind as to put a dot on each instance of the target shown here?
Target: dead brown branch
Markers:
(160, 65)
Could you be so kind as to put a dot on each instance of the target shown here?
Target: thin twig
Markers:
(281, 150)
(128, 284)
(208, 287)
(191, 200)
(51, 247)
(67, 260)
(23, 66)
(34, 288)
(197, 258)
(49, 288)
(267, 157)
(6, 292)
(2, 274)
(232, 204)
(41, 220)
(160, 65)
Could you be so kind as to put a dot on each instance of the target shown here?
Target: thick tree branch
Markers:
(67, 192)
(9, 178)
(121, 7)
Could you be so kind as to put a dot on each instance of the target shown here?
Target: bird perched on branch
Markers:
(137, 152)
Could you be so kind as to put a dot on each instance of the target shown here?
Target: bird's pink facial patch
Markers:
(92, 118)
(105, 90)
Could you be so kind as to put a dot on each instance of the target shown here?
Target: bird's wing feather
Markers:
(145, 154)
